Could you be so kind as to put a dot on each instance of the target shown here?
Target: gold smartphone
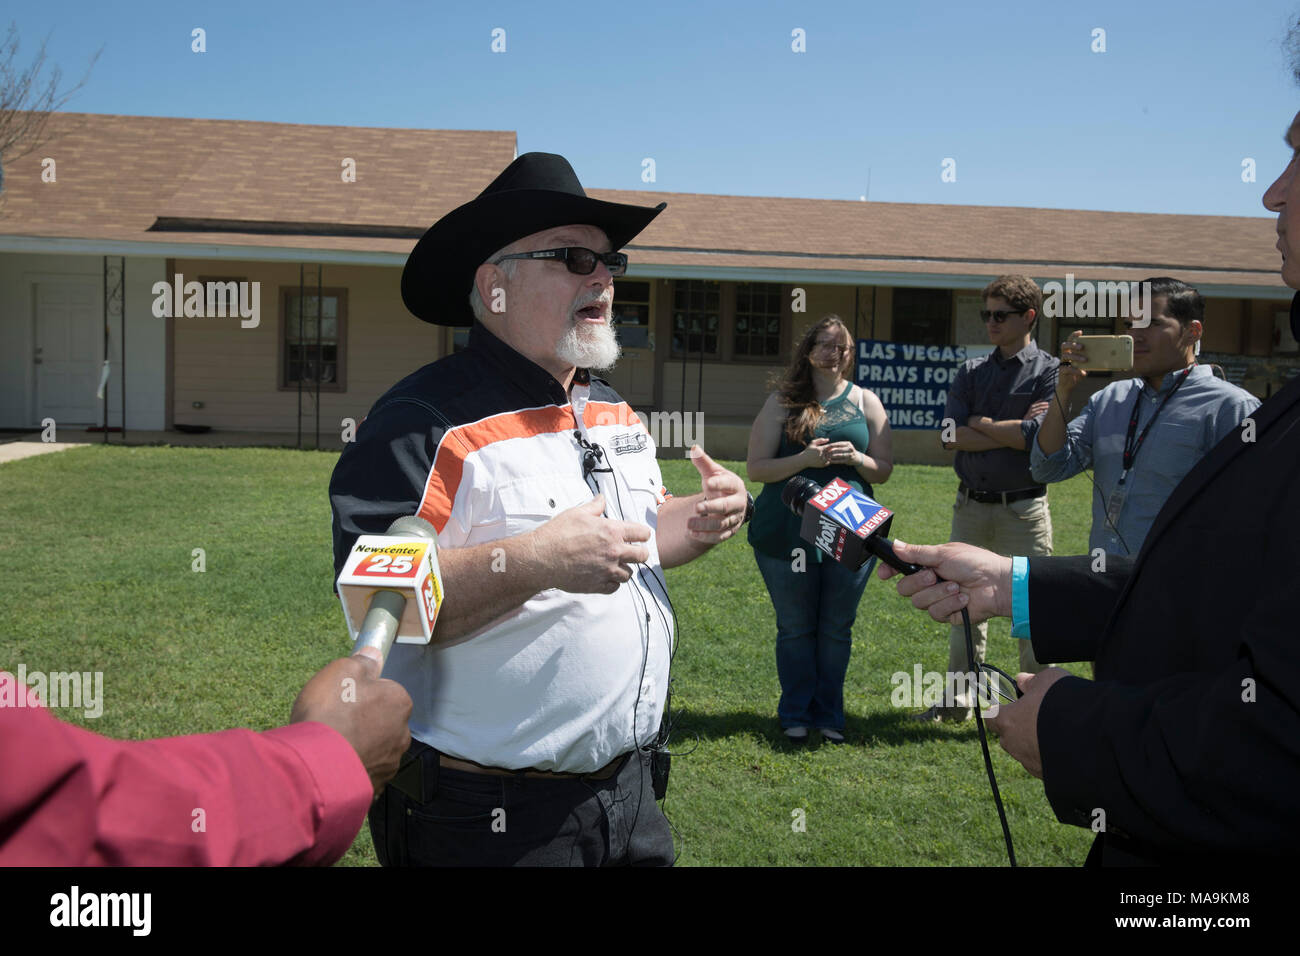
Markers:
(1105, 352)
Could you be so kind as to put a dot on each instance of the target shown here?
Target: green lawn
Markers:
(97, 570)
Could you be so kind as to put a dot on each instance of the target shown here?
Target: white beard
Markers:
(594, 347)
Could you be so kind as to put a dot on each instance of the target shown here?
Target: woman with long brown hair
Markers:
(818, 424)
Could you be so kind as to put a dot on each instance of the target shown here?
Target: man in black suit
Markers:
(1186, 746)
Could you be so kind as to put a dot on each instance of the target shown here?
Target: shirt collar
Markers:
(1024, 356)
(537, 383)
(1171, 378)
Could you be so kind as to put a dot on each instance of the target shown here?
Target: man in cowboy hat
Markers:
(538, 705)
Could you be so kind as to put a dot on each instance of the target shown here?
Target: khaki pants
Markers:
(1020, 528)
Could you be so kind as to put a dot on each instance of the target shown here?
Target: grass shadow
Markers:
(893, 729)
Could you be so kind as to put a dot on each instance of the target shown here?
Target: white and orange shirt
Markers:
(485, 444)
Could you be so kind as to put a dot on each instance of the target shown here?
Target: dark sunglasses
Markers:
(1000, 315)
(580, 261)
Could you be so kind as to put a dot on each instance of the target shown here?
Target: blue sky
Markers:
(715, 95)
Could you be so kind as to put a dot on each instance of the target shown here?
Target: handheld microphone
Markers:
(843, 523)
(847, 525)
(381, 574)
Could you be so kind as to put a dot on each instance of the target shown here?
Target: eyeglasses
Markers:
(1000, 315)
(580, 261)
(996, 686)
(838, 349)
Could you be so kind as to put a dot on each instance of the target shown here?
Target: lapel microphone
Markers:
(592, 456)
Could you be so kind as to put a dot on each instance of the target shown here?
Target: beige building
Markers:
(718, 290)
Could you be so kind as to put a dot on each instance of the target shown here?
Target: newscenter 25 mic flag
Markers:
(841, 520)
(391, 585)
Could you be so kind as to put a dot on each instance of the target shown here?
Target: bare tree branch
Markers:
(26, 101)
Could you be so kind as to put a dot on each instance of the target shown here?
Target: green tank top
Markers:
(774, 529)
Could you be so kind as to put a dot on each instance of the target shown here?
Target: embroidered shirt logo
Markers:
(630, 443)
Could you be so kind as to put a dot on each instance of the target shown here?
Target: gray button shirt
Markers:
(1001, 388)
(1200, 414)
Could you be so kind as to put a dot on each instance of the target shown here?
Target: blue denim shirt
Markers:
(1200, 414)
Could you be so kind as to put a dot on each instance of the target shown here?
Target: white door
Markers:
(69, 351)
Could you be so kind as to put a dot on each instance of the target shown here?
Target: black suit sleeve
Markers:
(1191, 760)
(1205, 758)
(1070, 603)
(381, 476)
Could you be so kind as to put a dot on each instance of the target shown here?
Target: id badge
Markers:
(1115, 504)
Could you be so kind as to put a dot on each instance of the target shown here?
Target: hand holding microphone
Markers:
(973, 578)
(370, 713)
(942, 579)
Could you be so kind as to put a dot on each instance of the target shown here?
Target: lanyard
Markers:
(1131, 447)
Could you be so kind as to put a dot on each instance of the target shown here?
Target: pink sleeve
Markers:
(68, 797)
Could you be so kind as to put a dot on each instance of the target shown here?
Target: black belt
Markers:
(417, 777)
(1000, 497)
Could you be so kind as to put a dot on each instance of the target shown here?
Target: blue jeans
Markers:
(815, 610)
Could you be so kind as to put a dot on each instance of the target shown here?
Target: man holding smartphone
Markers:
(1140, 435)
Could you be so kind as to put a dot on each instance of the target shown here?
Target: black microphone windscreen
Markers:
(797, 491)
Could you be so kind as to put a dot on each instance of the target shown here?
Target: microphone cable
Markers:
(984, 743)
(593, 456)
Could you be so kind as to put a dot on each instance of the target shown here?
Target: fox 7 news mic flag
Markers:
(398, 570)
(839, 519)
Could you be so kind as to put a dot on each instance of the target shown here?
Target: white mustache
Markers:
(600, 299)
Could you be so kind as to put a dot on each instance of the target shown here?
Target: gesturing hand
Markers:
(591, 554)
(723, 509)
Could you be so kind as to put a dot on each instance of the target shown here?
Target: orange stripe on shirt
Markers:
(460, 442)
(607, 413)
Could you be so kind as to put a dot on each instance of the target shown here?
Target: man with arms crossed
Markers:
(996, 403)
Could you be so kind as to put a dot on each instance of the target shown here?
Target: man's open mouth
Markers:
(591, 312)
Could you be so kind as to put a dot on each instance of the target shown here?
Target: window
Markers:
(313, 340)
(758, 320)
(697, 307)
(632, 313)
(922, 316)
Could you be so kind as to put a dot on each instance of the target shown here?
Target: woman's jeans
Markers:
(815, 609)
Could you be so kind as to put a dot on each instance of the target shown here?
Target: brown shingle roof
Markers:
(913, 237)
(119, 175)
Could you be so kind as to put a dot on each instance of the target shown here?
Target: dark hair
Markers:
(1182, 302)
(1020, 291)
(795, 389)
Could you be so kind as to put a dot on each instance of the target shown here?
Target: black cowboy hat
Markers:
(538, 191)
